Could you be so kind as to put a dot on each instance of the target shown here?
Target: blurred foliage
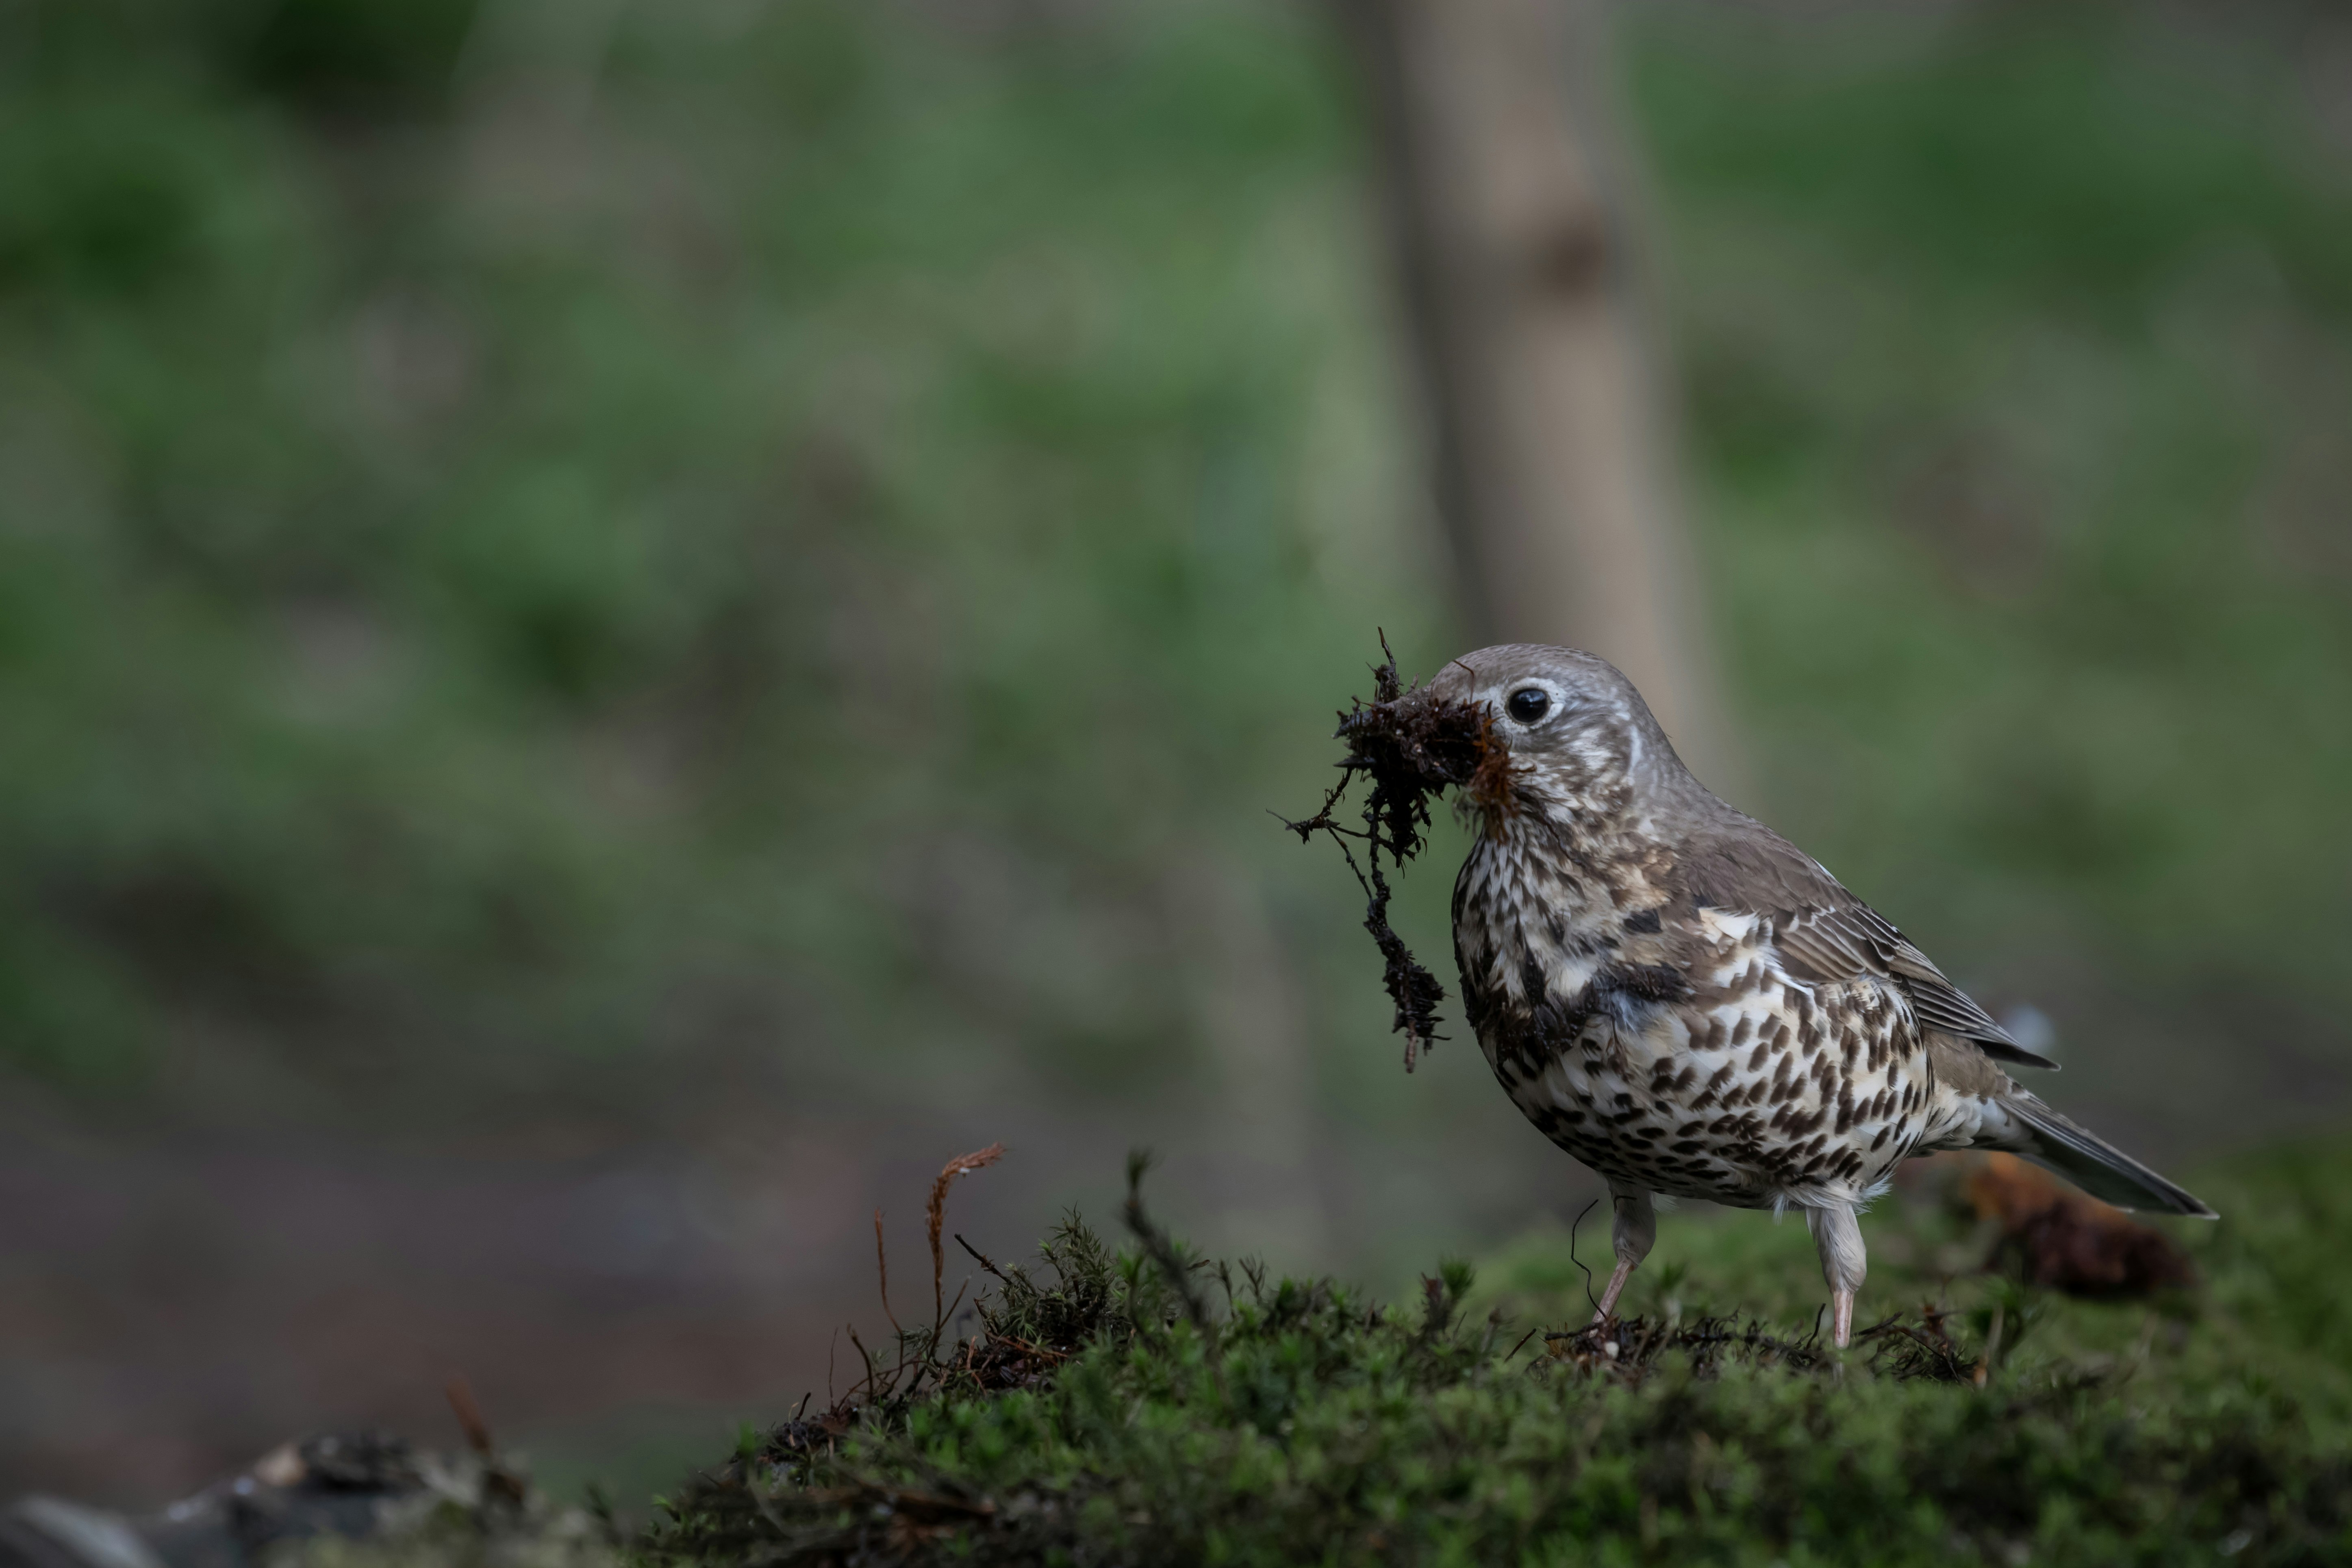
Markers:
(1302, 1424)
(815, 529)
(2014, 339)
(689, 528)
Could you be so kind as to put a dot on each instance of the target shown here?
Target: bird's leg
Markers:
(1632, 1231)
(1843, 1264)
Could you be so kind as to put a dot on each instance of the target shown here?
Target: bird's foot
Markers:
(1616, 1288)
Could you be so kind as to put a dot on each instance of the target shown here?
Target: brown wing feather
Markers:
(1824, 933)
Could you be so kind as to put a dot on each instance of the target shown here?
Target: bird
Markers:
(1693, 1006)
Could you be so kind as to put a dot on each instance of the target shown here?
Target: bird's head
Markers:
(1571, 732)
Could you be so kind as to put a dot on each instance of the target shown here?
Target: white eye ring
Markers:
(1528, 704)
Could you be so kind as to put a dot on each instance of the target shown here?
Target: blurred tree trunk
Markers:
(1548, 425)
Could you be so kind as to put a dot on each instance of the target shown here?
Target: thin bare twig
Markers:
(1572, 1257)
(1162, 1250)
(497, 1478)
(882, 1266)
(872, 1384)
(978, 1256)
(962, 1165)
(462, 1405)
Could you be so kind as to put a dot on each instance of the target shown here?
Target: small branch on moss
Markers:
(497, 1480)
(979, 1257)
(1572, 1257)
(1158, 1245)
(460, 1394)
(1161, 1248)
(873, 1383)
(882, 1266)
(936, 1211)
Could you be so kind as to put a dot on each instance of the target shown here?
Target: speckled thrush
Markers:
(1693, 1006)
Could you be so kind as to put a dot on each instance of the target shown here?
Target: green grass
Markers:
(1105, 1418)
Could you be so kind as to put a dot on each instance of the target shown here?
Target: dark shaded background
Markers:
(622, 625)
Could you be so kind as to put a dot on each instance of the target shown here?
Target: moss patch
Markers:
(1139, 1407)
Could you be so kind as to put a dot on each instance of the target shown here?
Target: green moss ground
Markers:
(1104, 1418)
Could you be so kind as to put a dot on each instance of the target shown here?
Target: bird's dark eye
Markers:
(1529, 703)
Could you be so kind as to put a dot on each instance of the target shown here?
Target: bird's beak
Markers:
(1453, 683)
(1422, 734)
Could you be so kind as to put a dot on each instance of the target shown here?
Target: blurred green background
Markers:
(705, 603)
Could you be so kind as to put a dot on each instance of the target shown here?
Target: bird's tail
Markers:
(2090, 1161)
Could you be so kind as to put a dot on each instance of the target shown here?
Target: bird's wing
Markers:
(1852, 940)
(1824, 933)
